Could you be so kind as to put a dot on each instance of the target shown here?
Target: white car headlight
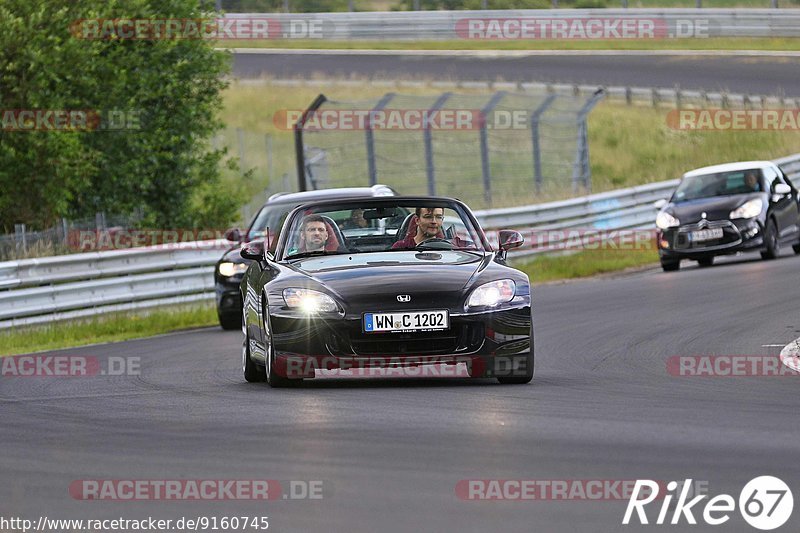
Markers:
(492, 293)
(748, 209)
(229, 269)
(664, 220)
(309, 301)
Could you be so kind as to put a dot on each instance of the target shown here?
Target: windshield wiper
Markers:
(301, 255)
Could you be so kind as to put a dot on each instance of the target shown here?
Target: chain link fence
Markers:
(500, 149)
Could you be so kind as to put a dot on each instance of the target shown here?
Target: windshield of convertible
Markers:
(719, 184)
(372, 226)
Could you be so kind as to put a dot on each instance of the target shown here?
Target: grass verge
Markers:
(715, 43)
(584, 264)
(113, 327)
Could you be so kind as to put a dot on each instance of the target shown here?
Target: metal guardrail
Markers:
(645, 96)
(448, 25)
(70, 286)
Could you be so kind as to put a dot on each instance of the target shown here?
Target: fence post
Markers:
(537, 152)
(65, 228)
(484, 139)
(19, 234)
(268, 140)
(698, 4)
(428, 137)
(299, 153)
(240, 141)
(581, 171)
(372, 169)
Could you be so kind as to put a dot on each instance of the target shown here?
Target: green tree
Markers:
(162, 169)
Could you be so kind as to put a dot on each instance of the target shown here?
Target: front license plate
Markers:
(706, 234)
(409, 321)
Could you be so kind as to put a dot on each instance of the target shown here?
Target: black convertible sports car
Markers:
(384, 282)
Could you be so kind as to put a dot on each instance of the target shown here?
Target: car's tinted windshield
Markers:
(370, 226)
(719, 184)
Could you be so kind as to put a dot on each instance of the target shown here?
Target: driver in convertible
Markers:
(313, 235)
(429, 226)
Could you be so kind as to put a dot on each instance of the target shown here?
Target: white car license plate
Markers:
(409, 321)
(706, 234)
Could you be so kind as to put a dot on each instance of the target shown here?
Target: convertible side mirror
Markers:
(253, 250)
(510, 239)
(659, 204)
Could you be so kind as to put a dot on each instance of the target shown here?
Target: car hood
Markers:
(715, 208)
(430, 278)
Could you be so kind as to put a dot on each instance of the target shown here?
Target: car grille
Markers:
(459, 338)
(730, 235)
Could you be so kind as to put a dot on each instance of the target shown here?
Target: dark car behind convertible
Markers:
(231, 266)
(420, 284)
(725, 209)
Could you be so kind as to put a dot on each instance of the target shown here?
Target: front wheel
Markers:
(670, 265)
(771, 242)
(521, 370)
(253, 373)
(272, 378)
(229, 321)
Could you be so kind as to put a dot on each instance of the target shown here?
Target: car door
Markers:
(784, 206)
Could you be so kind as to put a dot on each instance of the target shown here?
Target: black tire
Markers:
(253, 373)
(771, 244)
(796, 248)
(706, 261)
(273, 379)
(229, 321)
(670, 266)
(524, 378)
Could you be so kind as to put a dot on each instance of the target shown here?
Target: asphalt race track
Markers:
(391, 451)
(747, 75)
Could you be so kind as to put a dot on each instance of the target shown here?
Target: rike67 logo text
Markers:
(765, 503)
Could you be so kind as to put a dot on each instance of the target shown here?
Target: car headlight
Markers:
(492, 294)
(228, 269)
(309, 301)
(664, 220)
(748, 209)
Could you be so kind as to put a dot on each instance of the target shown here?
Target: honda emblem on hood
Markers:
(403, 297)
